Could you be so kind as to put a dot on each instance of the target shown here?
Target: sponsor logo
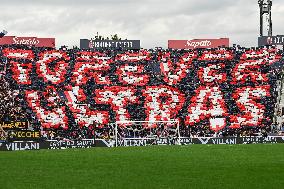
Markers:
(269, 40)
(224, 141)
(204, 140)
(17, 146)
(71, 144)
(257, 140)
(131, 142)
(110, 44)
(26, 134)
(153, 141)
(194, 44)
(25, 41)
(198, 43)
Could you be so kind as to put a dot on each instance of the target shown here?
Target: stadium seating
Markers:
(211, 90)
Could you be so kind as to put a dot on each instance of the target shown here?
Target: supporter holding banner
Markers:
(198, 43)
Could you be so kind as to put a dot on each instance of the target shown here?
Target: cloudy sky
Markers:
(151, 21)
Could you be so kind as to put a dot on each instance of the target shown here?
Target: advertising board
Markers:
(109, 44)
(24, 135)
(63, 144)
(29, 41)
(271, 40)
(19, 146)
(198, 43)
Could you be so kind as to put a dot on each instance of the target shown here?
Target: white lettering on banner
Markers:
(29, 41)
(163, 141)
(195, 44)
(8, 146)
(278, 40)
(269, 140)
(224, 141)
(185, 141)
(110, 44)
(257, 140)
(138, 142)
(16, 146)
(71, 144)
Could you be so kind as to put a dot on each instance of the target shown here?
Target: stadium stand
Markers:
(76, 93)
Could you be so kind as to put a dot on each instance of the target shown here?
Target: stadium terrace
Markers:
(220, 88)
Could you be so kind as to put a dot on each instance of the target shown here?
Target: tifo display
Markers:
(219, 88)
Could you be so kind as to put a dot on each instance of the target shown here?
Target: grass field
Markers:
(195, 166)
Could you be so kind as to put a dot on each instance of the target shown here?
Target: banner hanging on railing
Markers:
(14, 125)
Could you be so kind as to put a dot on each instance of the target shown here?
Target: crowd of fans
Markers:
(13, 105)
(10, 103)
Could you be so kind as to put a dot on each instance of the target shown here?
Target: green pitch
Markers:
(196, 166)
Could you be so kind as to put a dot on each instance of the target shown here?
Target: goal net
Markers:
(143, 133)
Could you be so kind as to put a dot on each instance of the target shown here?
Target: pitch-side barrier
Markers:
(89, 143)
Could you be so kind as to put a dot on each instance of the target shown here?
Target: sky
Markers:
(153, 22)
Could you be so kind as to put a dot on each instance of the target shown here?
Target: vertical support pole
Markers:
(178, 133)
(280, 102)
(270, 13)
(116, 135)
(277, 122)
(261, 22)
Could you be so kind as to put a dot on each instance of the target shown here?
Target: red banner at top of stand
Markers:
(198, 43)
(29, 41)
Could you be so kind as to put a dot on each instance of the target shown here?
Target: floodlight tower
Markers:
(265, 17)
